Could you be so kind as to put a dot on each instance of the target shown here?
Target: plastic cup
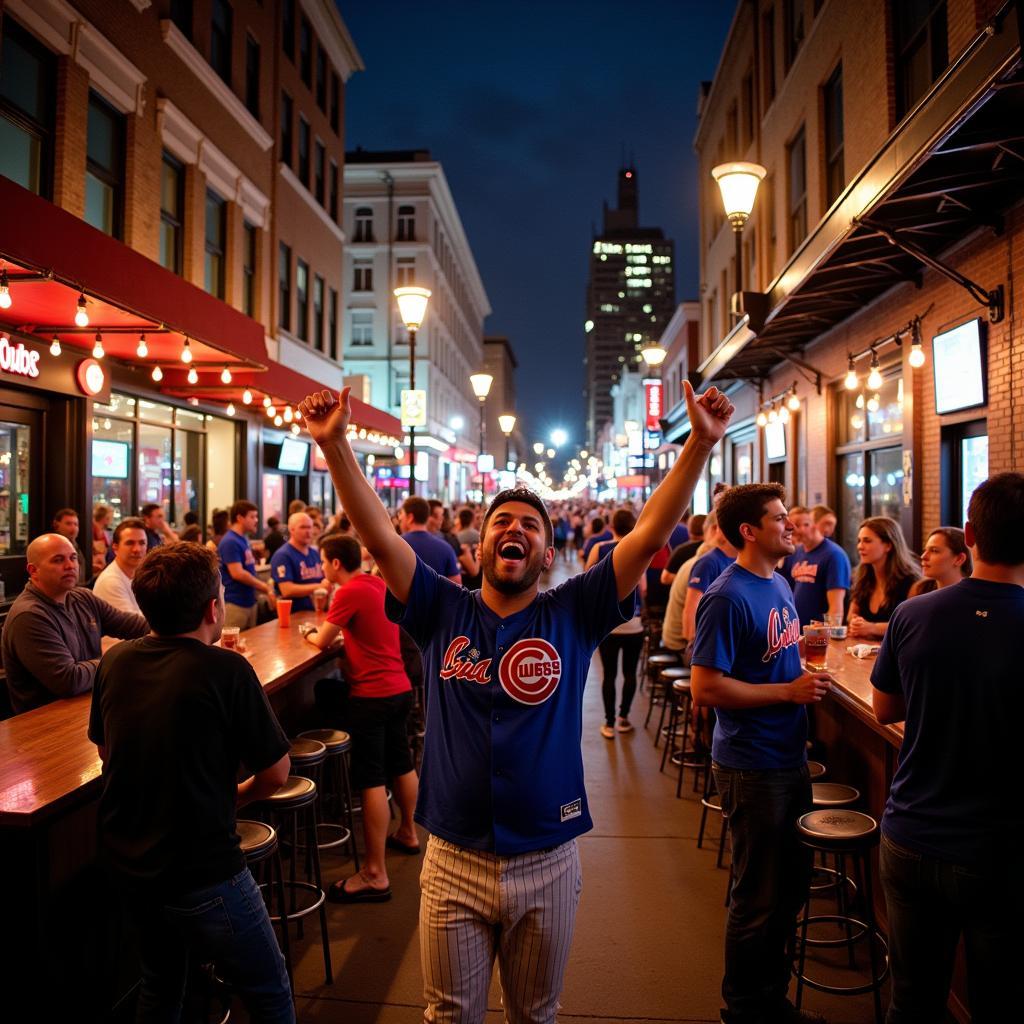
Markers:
(320, 599)
(284, 612)
(816, 646)
(229, 637)
(836, 629)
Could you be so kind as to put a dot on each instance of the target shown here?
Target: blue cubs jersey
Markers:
(502, 766)
(290, 565)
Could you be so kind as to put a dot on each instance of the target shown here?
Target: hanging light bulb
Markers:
(295, 429)
(193, 375)
(794, 401)
(230, 409)
(860, 401)
(55, 346)
(247, 397)
(773, 415)
(298, 416)
(873, 403)
(158, 374)
(278, 421)
(225, 376)
(5, 290)
(288, 415)
(97, 348)
(186, 352)
(916, 357)
(762, 419)
(852, 380)
(783, 414)
(875, 376)
(266, 402)
(142, 350)
(856, 421)
(81, 313)
(271, 412)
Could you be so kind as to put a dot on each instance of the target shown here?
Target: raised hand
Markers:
(326, 417)
(709, 413)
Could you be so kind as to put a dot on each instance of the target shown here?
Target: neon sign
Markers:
(17, 358)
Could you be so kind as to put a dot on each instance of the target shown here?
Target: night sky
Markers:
(529, 106)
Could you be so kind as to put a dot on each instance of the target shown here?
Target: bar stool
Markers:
(297, 797)
(844, 833)
(826, 795)
(681, 707)
(816, 770)
(259, 845)
(337, 791)
(659, 694)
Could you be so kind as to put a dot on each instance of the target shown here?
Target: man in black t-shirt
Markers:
(177, 722)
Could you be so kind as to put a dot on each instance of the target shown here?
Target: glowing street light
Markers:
(559, 437)
(738, 182)
(412, 307)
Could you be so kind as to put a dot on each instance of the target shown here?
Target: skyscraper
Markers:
(630, 298)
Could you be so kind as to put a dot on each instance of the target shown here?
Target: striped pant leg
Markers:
(459, 904)
(540, 894)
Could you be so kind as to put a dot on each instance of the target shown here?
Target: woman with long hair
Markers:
(946, 560)
(884, 577)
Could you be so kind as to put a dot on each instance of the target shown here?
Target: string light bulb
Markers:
(225, 376)
(773, 415)
(783, 414)
(295, 429)
(158, 374)
(193, 375)
(794, 401)
(916, 357)
(266, 402)
(81, 313)
(278, 421)
(186, 352)
(860, 401)
(271, 412)
(55, 346)
(97, 348)
(874, 404)
(5, 290)
(230, 410)
(143, 349)
(247, 397)
(875, 376)
(288, 414)
(852, 380)
(762, 419)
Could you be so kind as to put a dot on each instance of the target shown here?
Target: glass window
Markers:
(793, 29)
(273, 496)
(333, 191)
(189, 420)
(172, 190)
(405, 271)
(885, 478)
(768, 48)
(113, 441)
(286, 128)
(26, 109)
(220, 452)
(321, 78)
(335, 101)
(319, 171)
(220, 39)
(249, 237)
(406, 224)
(332, 324)
(216, 232)
(302, 300)
(851, 501)
(306, 52)
(104, 182)
(318, 312)
(303, 151)
(362, 276)
(797, 161)
(15, 460)
(921, 49)
(252, 76)
(835, 177)
(155, 467)
(364, 225)
(362, 327)
(288, 28)
(188, 472)
(155, 412)
(284, 286)
(181, 15)
(973, 469)
(743, 463)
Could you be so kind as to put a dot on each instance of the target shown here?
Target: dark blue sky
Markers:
(529, 106)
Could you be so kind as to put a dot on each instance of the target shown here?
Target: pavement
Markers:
(649, 932)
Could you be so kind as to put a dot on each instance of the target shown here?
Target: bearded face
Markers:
(514, 549)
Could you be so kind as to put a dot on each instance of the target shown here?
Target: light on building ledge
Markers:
(186, 352)
(225, 376)
(247, 397)
(97, 348)
(852, 381)
(158, 374)
(738, 182)
(142, 349)
(193, 375)
(81, 313)
(230, 410)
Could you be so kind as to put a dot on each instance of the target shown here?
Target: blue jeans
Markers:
(226, 924)
(771, 875)
(931, 903)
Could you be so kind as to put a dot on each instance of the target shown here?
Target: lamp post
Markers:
(412, 307)
(738, 182)
(507, 422)
(481, 384)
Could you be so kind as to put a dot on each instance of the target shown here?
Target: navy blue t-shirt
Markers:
(747, 627)
(598, 538)
(290, 565)
(502, 766)
(235, 548)
(708, 568)
(955, 656)
(435, 551)
(680, 535)
(812, 574)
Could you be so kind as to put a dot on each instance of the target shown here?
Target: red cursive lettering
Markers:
(455, 667)
(783, 632)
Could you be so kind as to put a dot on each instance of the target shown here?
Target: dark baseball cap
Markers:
(527, 497)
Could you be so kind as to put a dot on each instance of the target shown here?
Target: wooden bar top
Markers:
(47, 759)
(853, 687)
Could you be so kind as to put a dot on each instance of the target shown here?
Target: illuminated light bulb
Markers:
(875, 376)
(158, 374)
(773, 416)
(97, 348)
(295, 428)
(55, 346)
(225, 376)
(186, 352)
(298, 416)
(271, 411)
(230, 410)
(5, 291)
(81, 313)
(266, 402)
(916, 357)
(851, 380)
(193, 376)
(873, 403)
(288, 414)
(794, 402)
(278, 421)
(193, 400)
(143, 349)
(762, 419)
(860, 400)
(247, 397)
(856, 421)
(783, 415)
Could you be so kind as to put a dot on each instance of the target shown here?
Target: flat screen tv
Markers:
(110, 460)
(958, 362)
(293, 456)
(775, 440)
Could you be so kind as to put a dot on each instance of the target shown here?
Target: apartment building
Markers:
(501, 363)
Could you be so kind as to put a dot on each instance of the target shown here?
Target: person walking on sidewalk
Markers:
(501, 792)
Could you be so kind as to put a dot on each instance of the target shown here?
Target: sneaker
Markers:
(624, 725)
(607, 732)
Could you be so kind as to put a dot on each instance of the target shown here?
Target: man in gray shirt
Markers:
(51, 638)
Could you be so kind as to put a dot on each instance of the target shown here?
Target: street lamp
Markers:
(559, 437)
(481, 384)
(738, 182)
(412, 307)
(653, 354)
(507, 422)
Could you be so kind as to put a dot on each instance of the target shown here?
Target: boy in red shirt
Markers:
(378, 711)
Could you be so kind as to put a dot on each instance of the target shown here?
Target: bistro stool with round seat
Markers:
(259, 845)
(660, 695)
(680, 711)
(294, 800)
(845, 834)
(816, 769)
(823, 795)
(335, 808)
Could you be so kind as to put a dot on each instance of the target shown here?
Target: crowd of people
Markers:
(448, 605)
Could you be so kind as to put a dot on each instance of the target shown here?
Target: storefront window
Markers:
(220, 453)
(14, 488)
(886, 481)
(188, 472)
(273, 496)
(155, 412)
(973, 469)
(112, 442)
(155, 467)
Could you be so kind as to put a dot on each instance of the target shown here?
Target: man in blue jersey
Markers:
(746, 665)
(950, 667)
(705, 571)
(818, 571)
(238, 567)
(413, 521)
(599, 533)
(501, 793)
(295, 567)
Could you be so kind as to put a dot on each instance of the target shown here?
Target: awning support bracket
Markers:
(994, 300)
(809, 373)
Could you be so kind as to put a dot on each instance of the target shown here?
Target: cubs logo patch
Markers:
(573, 809)
(530, 671)
(281, 571)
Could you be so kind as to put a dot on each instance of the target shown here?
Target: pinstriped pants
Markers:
(475, 906)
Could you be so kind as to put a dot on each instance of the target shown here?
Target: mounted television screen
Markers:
(775, 440)
(293, 456)
(958, 361)
(110, 460)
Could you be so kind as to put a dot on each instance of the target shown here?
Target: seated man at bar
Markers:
(238, 567)
(818, 571)
(114, 584)
(158, 530)
(746, 664)
(295, 567)
(52, 635)
(172, 750)
(950, 667)
(66, 523)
